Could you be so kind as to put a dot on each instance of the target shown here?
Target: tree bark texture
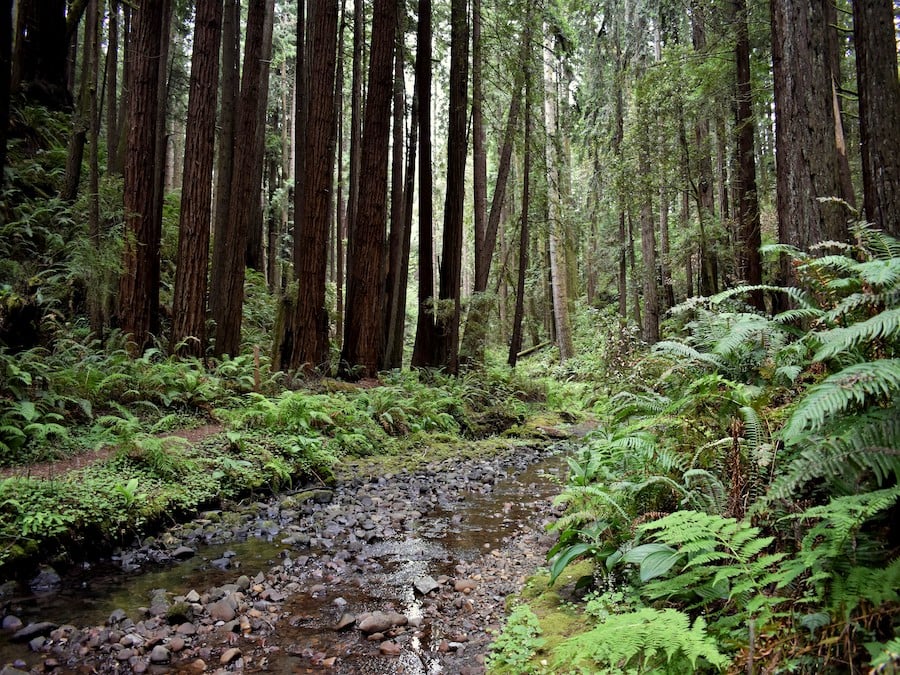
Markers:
(81, 120)
(230, 89)
(362, 331)
(648, 250)
(6, 28)
(189, 302)
(139, 284)
(451, 258)
(426, 338)
(749, 227)
(310, 352)
(394, 261)
(515, 342)
(479, 152)
(879, 110)
(804, 127)
(112, 88)
(244, 196)
(556, 235)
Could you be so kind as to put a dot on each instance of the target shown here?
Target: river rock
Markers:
(379, 622)
(11, 623)
(116, 616)
(176, 644)
(192, 597)
(34, 630)
(221, 611)
(183, 553)
(230, 655)
(465, 585)
(425, 585)
(346, 620)
(9, 670)
(390, 648)
(159, 655)
(45, 581)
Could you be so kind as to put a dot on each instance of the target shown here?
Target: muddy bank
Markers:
(403, 573)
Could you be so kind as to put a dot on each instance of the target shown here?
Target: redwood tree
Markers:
(139, 285)
(805, 148)
(5, 64)
(189, 302)
(426, 336)
(879, 110)
(362, 329)
(244, 186)
(451, 258)
(310, 320)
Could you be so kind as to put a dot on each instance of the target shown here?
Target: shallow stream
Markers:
(444, 537)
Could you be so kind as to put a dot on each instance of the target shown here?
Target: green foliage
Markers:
(644, 641)
(513, 650)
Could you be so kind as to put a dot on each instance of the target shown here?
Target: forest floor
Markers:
(405, 572)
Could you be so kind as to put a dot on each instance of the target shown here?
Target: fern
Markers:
(720, 558)
(855, 385)
(644, 641)
(869, 444)
(883, 326)
(683, 351)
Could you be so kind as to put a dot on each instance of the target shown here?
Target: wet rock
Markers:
(34, 630)
(425, 585)
(183, 553)
(230, 655)
(159, 654)
(345, 621)
(221, 563)
(380, 622)
(390, 648)
(117, 616)
(46, 581)
(12, 623)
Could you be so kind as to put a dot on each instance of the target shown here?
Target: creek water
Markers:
(455, 532)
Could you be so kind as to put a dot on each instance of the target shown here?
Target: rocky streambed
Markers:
(403, 573)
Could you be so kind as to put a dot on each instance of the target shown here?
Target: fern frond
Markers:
(839, 263)
(869, 444)
(798, 314)
(874, 585)
(880, 273)
(795, 294)
(644, 640)
(683, 351)
(883, 326)
(753, 432)
(854, 385)
(704, 490)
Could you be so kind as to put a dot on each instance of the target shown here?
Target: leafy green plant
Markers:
(515, 647)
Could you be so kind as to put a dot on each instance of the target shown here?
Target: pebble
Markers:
(159, 655)
(229, 655)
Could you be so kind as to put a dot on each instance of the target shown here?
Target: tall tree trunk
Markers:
(665, 249)
(648, 249)
(397, 236)
(244, 195)
(255, 254)
(162, 142)
(230, 89)
(362, 332)
(426, 337)
(633, 277)
(124, 96)
(340, 234)
(515, 343)
(189, 302)
(749, 229)
(689, 246)
(709, 283)
(6, 28)
(82, 117)
(139, 285)
(356, 117)
(479, 153)
(836, 46)
(556, 234)
(804, 128)
(879, 111)
(96, 301)
(112, 85)
(447, 320)
(451, 257)
(310, 352)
